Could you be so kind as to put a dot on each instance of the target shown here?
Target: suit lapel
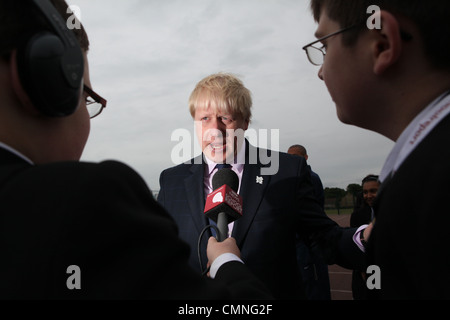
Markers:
(253, 187)
(195, 194)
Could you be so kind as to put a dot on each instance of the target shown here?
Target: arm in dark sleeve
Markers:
(241, 282)
(131, 249)
(334, 243)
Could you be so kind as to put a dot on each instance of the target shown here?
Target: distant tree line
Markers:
(338, 198)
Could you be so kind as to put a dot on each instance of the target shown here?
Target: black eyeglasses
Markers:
(317, 55)
(94, 103)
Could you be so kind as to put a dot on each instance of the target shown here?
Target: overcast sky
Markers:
(146, 57)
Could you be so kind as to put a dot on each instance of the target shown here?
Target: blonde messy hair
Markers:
(225, 92)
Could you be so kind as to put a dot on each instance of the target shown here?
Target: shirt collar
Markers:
(15, 152)
(402, 147)
(238, 164)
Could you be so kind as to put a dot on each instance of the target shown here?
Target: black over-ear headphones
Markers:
(51, 66)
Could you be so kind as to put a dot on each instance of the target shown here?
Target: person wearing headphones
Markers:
(73, 230)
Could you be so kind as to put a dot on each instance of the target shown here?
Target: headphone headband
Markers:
(73, 72)
(51, 65)
(54, 18)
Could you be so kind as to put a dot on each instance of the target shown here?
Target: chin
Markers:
(218, 157)
(343, 117)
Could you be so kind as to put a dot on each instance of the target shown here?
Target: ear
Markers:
(19, 90)
(387, 46)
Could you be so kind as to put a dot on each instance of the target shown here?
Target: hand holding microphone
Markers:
(222, 206)
(215, 248)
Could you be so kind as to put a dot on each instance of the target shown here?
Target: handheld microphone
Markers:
(224, 205)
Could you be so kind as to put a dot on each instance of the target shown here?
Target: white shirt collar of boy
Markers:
(414, 134)
(15, 152)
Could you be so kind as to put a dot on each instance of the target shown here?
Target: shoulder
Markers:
(270, 157)
(182, 170)
(107, 172)
(315, 175)
(80, 182)
(87, 196)
(428, 163)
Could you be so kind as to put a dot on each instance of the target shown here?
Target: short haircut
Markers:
(430, 17)
(20, 19)
(370, 177)
(226, 92)
(300, 148)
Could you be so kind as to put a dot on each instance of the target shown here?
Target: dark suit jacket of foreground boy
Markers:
(103, 219)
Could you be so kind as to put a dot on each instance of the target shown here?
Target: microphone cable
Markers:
(204, 272)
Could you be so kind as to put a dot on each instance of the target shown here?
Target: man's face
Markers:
(346, 72)
(216, 132)
(370, 189)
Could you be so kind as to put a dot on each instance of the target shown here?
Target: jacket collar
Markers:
(8, 154)
(253, 188)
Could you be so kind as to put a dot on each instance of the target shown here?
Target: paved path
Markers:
(340, 278)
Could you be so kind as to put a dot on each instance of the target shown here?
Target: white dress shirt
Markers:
(210, 170)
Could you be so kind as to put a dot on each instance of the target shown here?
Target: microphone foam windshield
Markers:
(225, 176)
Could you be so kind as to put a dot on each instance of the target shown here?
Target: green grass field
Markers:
(341, 211)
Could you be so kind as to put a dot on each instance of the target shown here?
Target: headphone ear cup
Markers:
(43, 64)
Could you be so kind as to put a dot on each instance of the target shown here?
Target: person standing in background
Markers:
(314, 270)
(300, 151)
(360, 216)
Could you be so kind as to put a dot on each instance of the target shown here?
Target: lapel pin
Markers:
(259, 180)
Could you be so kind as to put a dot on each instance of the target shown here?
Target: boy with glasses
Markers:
(395, 81)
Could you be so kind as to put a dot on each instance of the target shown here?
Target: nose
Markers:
(216, 129)
(216, 123)
(321, 73)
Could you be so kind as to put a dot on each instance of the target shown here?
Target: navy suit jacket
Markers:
(273, 213)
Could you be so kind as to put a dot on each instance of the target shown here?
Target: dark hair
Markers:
(19, 19)
(300, 148)
(370, 177)
(430, 17)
